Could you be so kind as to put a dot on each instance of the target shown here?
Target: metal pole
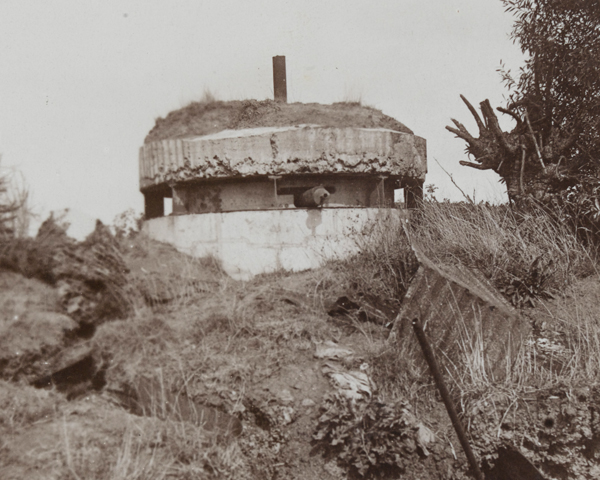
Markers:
(439, 381)
(279, 79)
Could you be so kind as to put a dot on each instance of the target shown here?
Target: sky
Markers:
(82, 81)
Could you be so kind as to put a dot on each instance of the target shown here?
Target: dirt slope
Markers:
(203, 118)
(318, 396)
(264, 351)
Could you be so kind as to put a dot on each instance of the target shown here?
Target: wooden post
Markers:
(436, 373)
(279, 79)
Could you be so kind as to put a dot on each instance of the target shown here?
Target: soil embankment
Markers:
(204, 118)
(177, 371)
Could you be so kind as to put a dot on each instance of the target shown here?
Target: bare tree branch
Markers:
(480, 123)
(461, 127)
(521, 188)
(475, 165)
(455, 184)
(515, 115)
(466, 136)
(537, 148)
(494, 126)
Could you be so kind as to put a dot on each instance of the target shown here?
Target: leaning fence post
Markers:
(439, 382)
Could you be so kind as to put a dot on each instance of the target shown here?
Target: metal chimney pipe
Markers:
(279, 79)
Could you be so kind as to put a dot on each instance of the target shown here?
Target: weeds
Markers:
(127, 224)
(526, 256)
(220, 342)
(149, 449)
(384, 266)
(22, 406)
(210, 116)
(165, 279)
(14, 209)
(371, 437)
(530, 258)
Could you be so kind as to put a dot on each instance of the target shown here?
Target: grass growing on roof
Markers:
(212, 116)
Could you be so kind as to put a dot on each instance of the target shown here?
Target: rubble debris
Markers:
(555, 429)
(464, 319)
(91, 276)
(270, 413)
(285, 397)
(424, 437)
(354, 385)
(331, 350)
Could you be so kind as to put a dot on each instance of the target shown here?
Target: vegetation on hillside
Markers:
(541, 267)
(306, 361)
(14, 215)
(552, 155)
(248, 350)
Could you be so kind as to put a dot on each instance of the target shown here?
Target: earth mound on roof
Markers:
(204, 118)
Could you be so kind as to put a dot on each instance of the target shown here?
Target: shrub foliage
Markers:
(368, 437)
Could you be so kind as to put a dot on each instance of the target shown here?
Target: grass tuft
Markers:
(525, 255)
